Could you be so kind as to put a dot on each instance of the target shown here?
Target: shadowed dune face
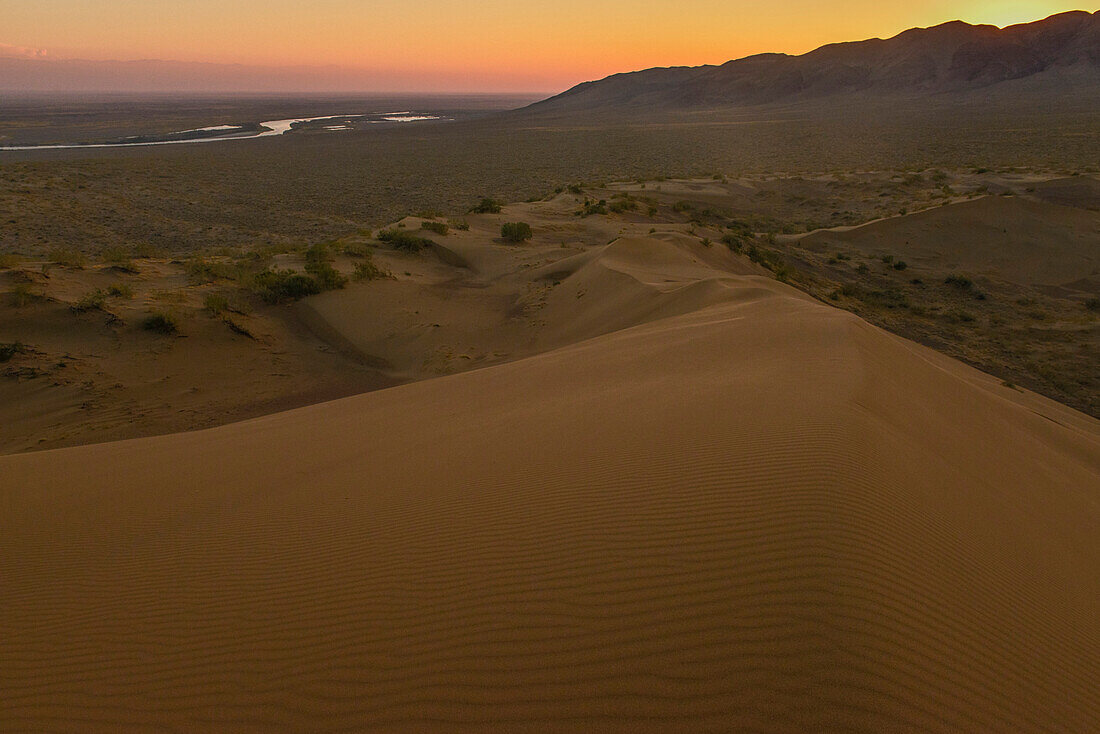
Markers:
(761, 514)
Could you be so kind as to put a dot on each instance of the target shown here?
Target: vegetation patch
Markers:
(368, 270)
(486, 206)
(439, 228)
(160, 322)
(404, 240)
(93, 300)
(516, 231)
(590, 208)
(282, 286)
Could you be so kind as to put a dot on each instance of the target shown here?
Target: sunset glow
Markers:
(491, 46)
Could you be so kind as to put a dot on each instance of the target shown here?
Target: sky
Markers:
(473, 46)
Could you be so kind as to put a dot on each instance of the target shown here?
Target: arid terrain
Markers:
(1000, 270)
(596, 414)
(664, 489)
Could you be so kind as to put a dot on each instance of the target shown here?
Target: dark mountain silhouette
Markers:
(1061, 50)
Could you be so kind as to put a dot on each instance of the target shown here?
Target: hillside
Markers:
(1062, 51)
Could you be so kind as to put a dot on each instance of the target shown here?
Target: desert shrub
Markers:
(1093, 304)
(160, 322)
(318, 253)
(735, 242)
(862, 269)
(623, 205)
(900, 265)
(460, 224)
(888, 259)
(10, 349)
(120, 290)
(8, 260)
(200, 270)
(356, 249)
(280, 286)
(515, 231)
(576, 189)
(589, 208)
(91, 301)
(68, 257)
(773, 261)
(682, 206)
(738, 227)
(486, 206)
(959, 281)
(327, 277)
(118, 259)
(367, 270)
(215, 304)
(439, 228)
(404, 240)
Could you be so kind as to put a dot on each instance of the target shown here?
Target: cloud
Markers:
(21, 52)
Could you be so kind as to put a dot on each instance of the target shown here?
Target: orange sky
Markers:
(491, 45)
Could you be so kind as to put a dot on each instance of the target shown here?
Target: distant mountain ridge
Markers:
(952, 57)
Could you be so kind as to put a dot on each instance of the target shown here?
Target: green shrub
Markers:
(460, 224)
(439, 228)
(160, 322)
(280, 286)
(327, 277)
(589, 208)
(120, 290)
(486, 206)
(404, 240)
(959, 281)
(215, 304)
(201, 270)
(356, 249)
(515, 231)
(367, 270)
(900, 265)
(318, 253)
(623, 205)
(91, 301)
(69, 257)
(735, 242)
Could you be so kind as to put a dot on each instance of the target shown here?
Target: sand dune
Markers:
(747, 512)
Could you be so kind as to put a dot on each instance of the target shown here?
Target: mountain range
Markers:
(1059, 51)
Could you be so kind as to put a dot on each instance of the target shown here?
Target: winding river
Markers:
(269, 128)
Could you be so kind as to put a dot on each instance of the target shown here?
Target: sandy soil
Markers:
(707, 501)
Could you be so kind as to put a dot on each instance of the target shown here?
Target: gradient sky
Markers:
(491, 45)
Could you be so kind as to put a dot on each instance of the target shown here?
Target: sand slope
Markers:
(1012, 238)
(762, 514)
